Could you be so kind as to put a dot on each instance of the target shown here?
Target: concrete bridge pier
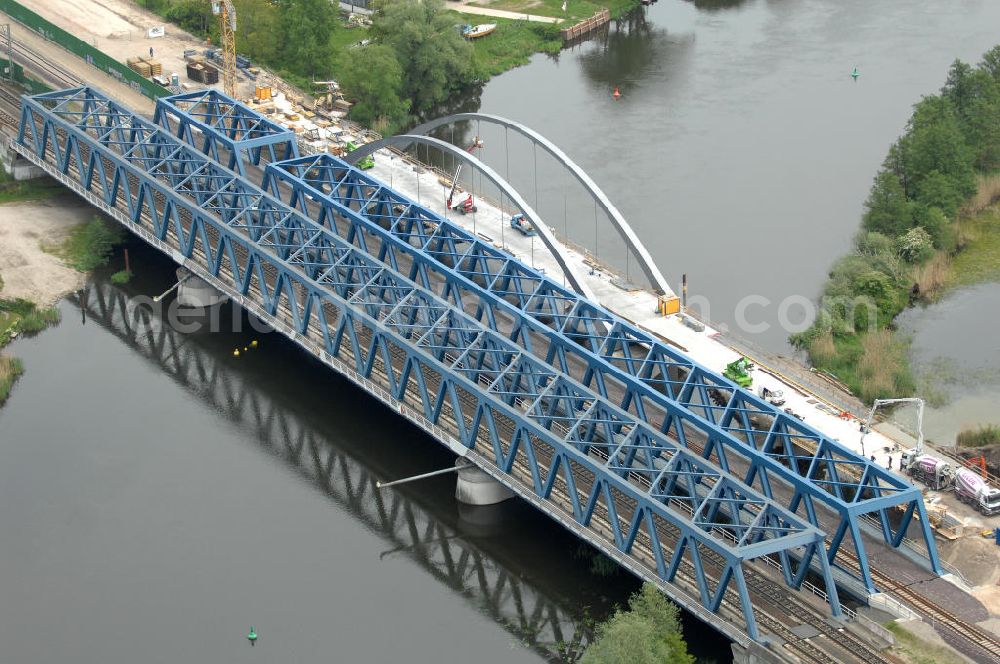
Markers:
(477, 488)
(19, 167)
(196, 293)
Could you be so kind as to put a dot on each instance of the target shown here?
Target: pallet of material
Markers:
(140, 68)
(202, 72)
(155, 68)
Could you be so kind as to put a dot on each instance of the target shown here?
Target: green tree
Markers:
(374, 77)
(934, 142)
(991, 63)
(937, 224)
(648, 633)
(959, 88)
(435, 59)
(258, 23)
(938, 190)
(306, 26)
(887, 211)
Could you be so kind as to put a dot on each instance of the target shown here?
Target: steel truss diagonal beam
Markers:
(741, 432)
(228, 130)
(688, 526)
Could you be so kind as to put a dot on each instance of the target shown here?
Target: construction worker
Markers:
(150, 51)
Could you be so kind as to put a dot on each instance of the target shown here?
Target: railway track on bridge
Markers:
(782, 607)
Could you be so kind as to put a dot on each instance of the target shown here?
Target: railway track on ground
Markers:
(977, 642)
(37, 63)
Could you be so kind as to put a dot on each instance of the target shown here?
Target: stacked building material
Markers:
(202, 72)
(139, 66)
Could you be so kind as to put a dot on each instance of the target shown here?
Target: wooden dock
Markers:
(598, 20)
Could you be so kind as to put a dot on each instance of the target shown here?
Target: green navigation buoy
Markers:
(252, 636)
(855, 73)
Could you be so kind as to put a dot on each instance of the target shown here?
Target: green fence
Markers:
(32, 86)
(102, 61)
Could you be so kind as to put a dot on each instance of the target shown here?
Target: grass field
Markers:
(29, 190)
(979, 262)
(576, 10)
(511, 45)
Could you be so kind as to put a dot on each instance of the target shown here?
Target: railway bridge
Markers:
(747, 517)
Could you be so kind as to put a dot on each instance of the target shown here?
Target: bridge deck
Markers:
(831, 486)
(440, 367)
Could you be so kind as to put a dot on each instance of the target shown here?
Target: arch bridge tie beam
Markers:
(587, 463)
(631, 240)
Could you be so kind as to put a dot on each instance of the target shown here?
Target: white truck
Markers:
(930, 470)
(974, 490)
(773, 397)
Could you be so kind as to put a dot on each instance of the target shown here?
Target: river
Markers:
(160, 496)
(956, 358)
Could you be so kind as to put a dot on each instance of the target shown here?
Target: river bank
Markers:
(927, 225)
(41, 240)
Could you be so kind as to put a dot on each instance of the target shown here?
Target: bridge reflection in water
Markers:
(556, 631)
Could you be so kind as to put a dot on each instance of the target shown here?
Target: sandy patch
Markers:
(990, 597)
(26, 270)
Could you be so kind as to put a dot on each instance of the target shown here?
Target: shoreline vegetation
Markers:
(398, 66)
(87, 247)
(931, 223)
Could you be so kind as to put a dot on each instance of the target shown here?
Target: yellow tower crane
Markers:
(226, 12)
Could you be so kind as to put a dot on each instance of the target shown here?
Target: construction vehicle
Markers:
(363, 164)
(476, 143)
(739, 372)
(932, 471)
(522, 225)
(468, 206)
(773, 397)
(226, 12)
(972, 489)
(866, 427)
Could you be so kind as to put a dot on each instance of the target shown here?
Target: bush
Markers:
(10, 370)
(883, 367)
(121, 277)
(915, 245)
(29, 319)
(979, 437)
(89, 245)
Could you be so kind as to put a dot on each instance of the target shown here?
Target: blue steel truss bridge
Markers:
(746, 517)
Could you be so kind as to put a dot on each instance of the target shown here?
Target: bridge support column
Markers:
(196, 293)
(475, 487)
(19, 167)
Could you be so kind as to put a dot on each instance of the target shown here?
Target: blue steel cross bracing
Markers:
(606, 465)
(770, 444)
(229, 131)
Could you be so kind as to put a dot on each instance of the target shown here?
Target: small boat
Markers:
(478, 31)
